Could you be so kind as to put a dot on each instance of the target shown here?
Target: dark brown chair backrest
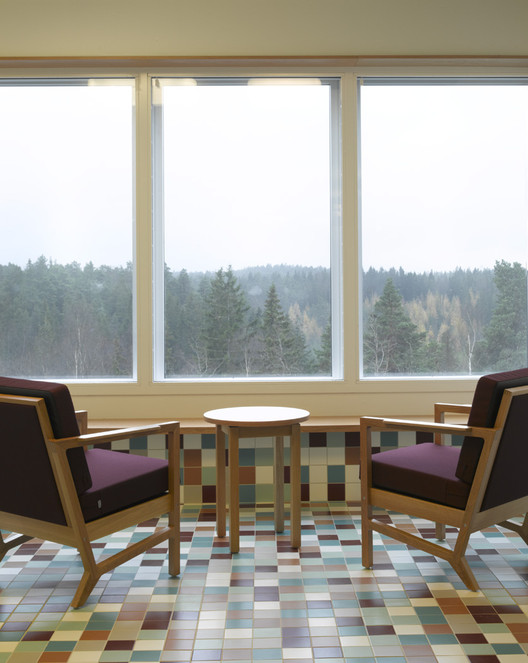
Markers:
(507, 480)
(27, 484)
(484, 410)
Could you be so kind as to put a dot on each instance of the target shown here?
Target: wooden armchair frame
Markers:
(78, 533)
(468, 520)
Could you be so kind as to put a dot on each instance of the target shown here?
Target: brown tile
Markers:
(119, 645)
(471, 638)
(336, 492)
(192, 458)
(381, 629)
(54, 656)
(36, 636)
(95, 635)
(420, 652)
(209, 494)
(192, 476)
(351, 455)
(436, 628)
(247, 475)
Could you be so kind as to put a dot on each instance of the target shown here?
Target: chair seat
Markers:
(120, 480)
(426, 471)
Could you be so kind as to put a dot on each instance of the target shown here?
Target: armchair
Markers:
(58, 484)
(479, 484)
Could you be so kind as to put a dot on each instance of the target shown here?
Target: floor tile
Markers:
(269, 603)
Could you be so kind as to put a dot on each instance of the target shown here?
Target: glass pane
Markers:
(444, 211)
(66, 210)
(246, 224)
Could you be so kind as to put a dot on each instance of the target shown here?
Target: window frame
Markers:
(347, 396)
(334, 238)
(86, 80)
(418, 79)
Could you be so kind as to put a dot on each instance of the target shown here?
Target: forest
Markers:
(70, 321)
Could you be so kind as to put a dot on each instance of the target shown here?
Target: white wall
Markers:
(262, 27)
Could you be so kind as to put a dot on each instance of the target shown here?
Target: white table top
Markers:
(256, 416)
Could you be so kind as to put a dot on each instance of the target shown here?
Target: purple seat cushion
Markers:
(425, 471)
(484, 410)
(120, 480)
(62, 418)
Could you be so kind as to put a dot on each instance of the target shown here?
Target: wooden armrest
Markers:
(82, 420)
(380, 424)
(440, 410)
(112, 436)
(454, 408)
(369, 424)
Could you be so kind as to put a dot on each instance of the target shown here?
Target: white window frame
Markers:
(101, 79)
(347, 396)
(335, 241)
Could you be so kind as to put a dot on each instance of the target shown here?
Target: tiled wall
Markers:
(329, 464)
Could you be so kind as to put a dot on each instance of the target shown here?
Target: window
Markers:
(67, 216)
(444, 212)
(246, 208)
(159, 226)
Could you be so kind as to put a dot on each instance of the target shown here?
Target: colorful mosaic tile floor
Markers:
(270, 603)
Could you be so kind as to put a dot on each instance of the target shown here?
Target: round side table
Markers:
(258, 421)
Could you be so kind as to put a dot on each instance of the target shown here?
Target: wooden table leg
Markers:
(234, 485)
(295, 486)
(278, 483)
(220, 482)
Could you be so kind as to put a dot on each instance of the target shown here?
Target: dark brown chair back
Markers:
(27, 484)
(484, 410)
(507, 480)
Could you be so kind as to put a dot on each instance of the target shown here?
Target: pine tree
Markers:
(392, 342)
(284, 350)
(225, 328)
(323, 355)
(504, 345)
(184, 353)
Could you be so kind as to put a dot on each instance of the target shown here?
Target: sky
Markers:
(444, 175)
(66, 174)
(246, 175)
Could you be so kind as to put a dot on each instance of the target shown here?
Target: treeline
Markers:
(65, 321)
(462, 322)
(72, 321)
(260, 321)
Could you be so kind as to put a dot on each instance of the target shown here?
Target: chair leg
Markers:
(90, 576)
(367, 546)
(465, 573)
(459, 562)
(440, 531)
(174, 541)
(174, 556)
(84, 589)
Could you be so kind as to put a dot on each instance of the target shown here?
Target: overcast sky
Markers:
(444, 176)
(443, 180)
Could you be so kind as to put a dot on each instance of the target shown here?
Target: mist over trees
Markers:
(261, 321)
(456, 323)
(68, 321)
